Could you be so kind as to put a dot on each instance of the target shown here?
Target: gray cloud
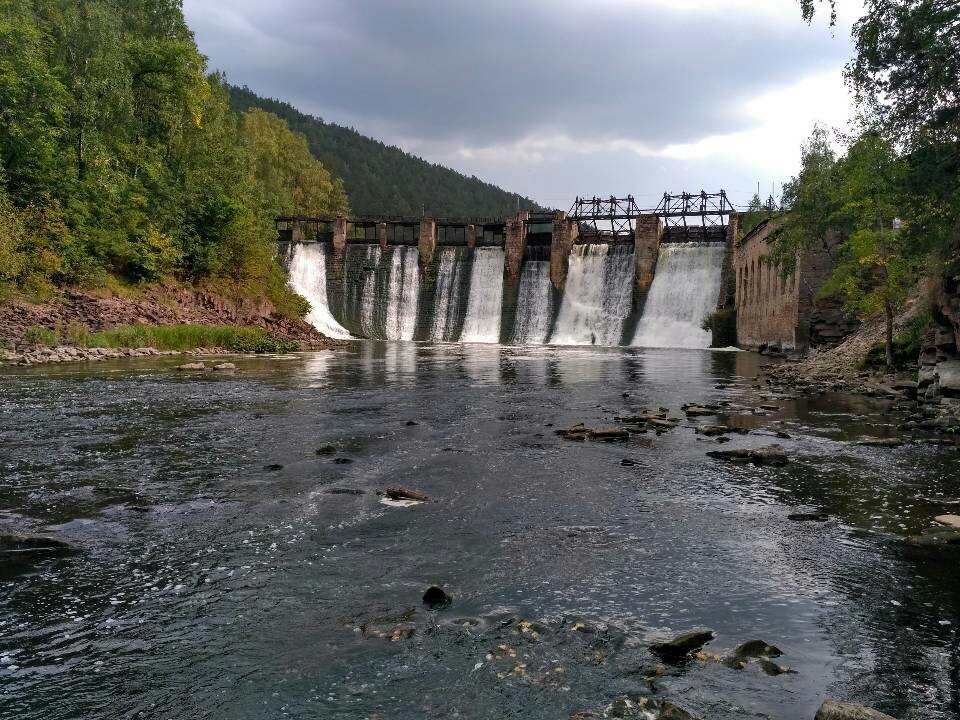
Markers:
(444, 74)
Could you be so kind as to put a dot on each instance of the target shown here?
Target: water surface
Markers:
(209, 586)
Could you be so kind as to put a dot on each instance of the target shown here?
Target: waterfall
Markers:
(368, 299)
(598, 296)
(534, 304)
(308, 277)
(684, 291)
(446, 308)
(402, 293)
(482, 324)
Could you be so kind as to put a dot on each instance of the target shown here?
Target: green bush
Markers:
(906, 347)
(723, 326)
(37, 335)
(192, 337)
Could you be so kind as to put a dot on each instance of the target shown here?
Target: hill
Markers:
(384, 180)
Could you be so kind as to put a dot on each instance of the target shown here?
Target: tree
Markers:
(288, 179)
(876, 266)
(811, 201)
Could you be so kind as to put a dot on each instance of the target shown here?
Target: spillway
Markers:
(685, 291)
(482, 323)
(598, 296)
(308, 277)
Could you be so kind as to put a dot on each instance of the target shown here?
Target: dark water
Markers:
(241, 591)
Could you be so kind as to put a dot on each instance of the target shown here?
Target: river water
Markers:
(210, 584)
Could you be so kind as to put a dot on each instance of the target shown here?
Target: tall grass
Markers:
(191, 337)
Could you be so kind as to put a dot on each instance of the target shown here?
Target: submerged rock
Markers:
(773, 669)
(832, 710)
(770, 455)
(344, 491)
(275, 467)
(400, 493)
(342, 461)
(698, 411)
(628, 462)
(881, 442)
(809, 517)
(327, 450)
(936, 537)
(608, 433)
(756, 649)
(682, 645)
(436, 599)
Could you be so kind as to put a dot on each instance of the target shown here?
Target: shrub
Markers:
(37, 335)
(78, 334)
(723, 325)
(906, 347)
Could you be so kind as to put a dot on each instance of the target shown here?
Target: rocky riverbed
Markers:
(181, 540)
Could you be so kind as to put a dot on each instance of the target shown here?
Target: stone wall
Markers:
(771, 309)
(565, 234)
(939, 377)
(768, 306)
(647, 233)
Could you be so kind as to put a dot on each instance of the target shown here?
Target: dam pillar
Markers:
(514, 248)
(339, 242)
(382, 235)
(428, 240)
(646, 237)
(565, 234)
(296, 232)
(471, 236)
(515, 241)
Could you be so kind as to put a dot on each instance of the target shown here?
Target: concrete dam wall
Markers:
(527, 282)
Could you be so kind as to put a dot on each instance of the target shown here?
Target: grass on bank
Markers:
(166, 337)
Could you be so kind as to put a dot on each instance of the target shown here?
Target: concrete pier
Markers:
(428, 240)
(646, 237)
(565, 234)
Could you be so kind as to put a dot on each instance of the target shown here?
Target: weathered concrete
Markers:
(728, 278)
(772, 308)
(516, 243)
(428, 240)
(565, 233)
(339, 241)
(471, 236)
(382, 235)
(648, 232)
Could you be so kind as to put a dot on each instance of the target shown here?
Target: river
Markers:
(209, 582)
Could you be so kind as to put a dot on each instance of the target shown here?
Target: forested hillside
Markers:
(121, 160)
(384, 180)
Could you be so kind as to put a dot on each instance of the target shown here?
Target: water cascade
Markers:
(685, 290)
(534, 304)
(308, 277)
(482, 323)
(368, 291)
(402, 294)
(448, 298)
(598, 296)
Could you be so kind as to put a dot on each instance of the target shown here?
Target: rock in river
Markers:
(609, 433)
(770, 455)
(399, 493)
(756, 649)
(948, 520)
(682, 645)
(436, 599)
(832, 710)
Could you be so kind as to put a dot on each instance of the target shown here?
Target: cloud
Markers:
(488, 86)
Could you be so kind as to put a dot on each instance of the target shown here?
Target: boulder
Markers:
(756, 649)
(224, 367)
(882, 442)
(948, 520)
(682, 645)
(608, 433)
(698, 411)
(436, 599)
(327, 450)
(192, 366)
(832, 710)
(661, 423)
(770, 455)
(400, 493)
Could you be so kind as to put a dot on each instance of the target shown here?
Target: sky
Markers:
(554, 98)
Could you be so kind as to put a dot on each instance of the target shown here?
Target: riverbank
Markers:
(81, 325)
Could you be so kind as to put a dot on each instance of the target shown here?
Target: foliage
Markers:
(810, 199)
(122, 158)
(906, 346)
(722, 324)
(384, 180)
(755, 214)
(191, 337)
(37, 335)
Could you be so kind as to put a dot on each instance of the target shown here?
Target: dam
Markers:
(605, 273)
